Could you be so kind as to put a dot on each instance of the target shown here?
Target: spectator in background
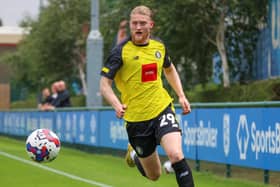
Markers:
(45, 100)
(64, 95)
(54, 88)
(122, 32)
(53, 98)
(60, 97)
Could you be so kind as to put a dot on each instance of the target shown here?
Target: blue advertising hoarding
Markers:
(274, 17)
(239, 136)
(80, 127)
(267, 56)
(247, 137)
(113, 133)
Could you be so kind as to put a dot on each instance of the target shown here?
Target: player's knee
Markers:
(154, 176)
(175, 156)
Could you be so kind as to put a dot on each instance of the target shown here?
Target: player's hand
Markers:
(120, 110)
(186, 107)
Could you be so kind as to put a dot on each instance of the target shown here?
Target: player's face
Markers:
(140, 28)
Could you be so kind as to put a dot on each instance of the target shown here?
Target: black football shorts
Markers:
(146, 135)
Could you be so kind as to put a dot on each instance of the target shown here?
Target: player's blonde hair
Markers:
(144, 10)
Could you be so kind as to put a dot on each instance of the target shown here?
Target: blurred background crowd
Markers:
(56, 97)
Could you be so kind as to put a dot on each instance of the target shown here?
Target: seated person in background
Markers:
(54, 90)
(63, 96)
(45, 100)
(122, 32)
(53, 98)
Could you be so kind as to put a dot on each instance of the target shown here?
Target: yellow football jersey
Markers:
(137, 71)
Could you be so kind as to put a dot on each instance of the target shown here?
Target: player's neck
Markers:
(144, 43)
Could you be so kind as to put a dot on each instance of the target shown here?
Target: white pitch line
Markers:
(54, 170)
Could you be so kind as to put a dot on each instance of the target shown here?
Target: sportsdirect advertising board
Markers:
(247, 137)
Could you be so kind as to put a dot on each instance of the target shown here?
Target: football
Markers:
(168, 167)
(43, 145)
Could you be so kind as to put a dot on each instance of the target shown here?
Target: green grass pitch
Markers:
(75, 168)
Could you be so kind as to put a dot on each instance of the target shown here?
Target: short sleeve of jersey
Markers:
(113, 63)
(167, 61)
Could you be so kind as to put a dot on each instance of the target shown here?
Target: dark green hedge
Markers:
(265, 90)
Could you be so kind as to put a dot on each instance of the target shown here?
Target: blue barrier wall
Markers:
(266, 63)
(274, 16)
(247, 136)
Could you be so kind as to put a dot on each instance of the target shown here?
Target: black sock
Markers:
(139, 166)
(183, 174)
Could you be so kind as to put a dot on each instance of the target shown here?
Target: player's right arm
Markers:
(108, 93)
(108, 72)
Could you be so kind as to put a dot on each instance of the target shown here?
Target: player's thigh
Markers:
(151, 165)
(141, 137)
(172, 145)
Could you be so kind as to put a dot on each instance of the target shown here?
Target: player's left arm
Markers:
(174, 80)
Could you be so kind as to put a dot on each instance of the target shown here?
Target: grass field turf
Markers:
(105, 169)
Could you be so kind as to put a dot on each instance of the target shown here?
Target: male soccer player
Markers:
(135, 66)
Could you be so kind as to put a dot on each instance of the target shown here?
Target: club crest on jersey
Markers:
(158, 54)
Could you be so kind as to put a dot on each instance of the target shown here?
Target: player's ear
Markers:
(152, 24)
